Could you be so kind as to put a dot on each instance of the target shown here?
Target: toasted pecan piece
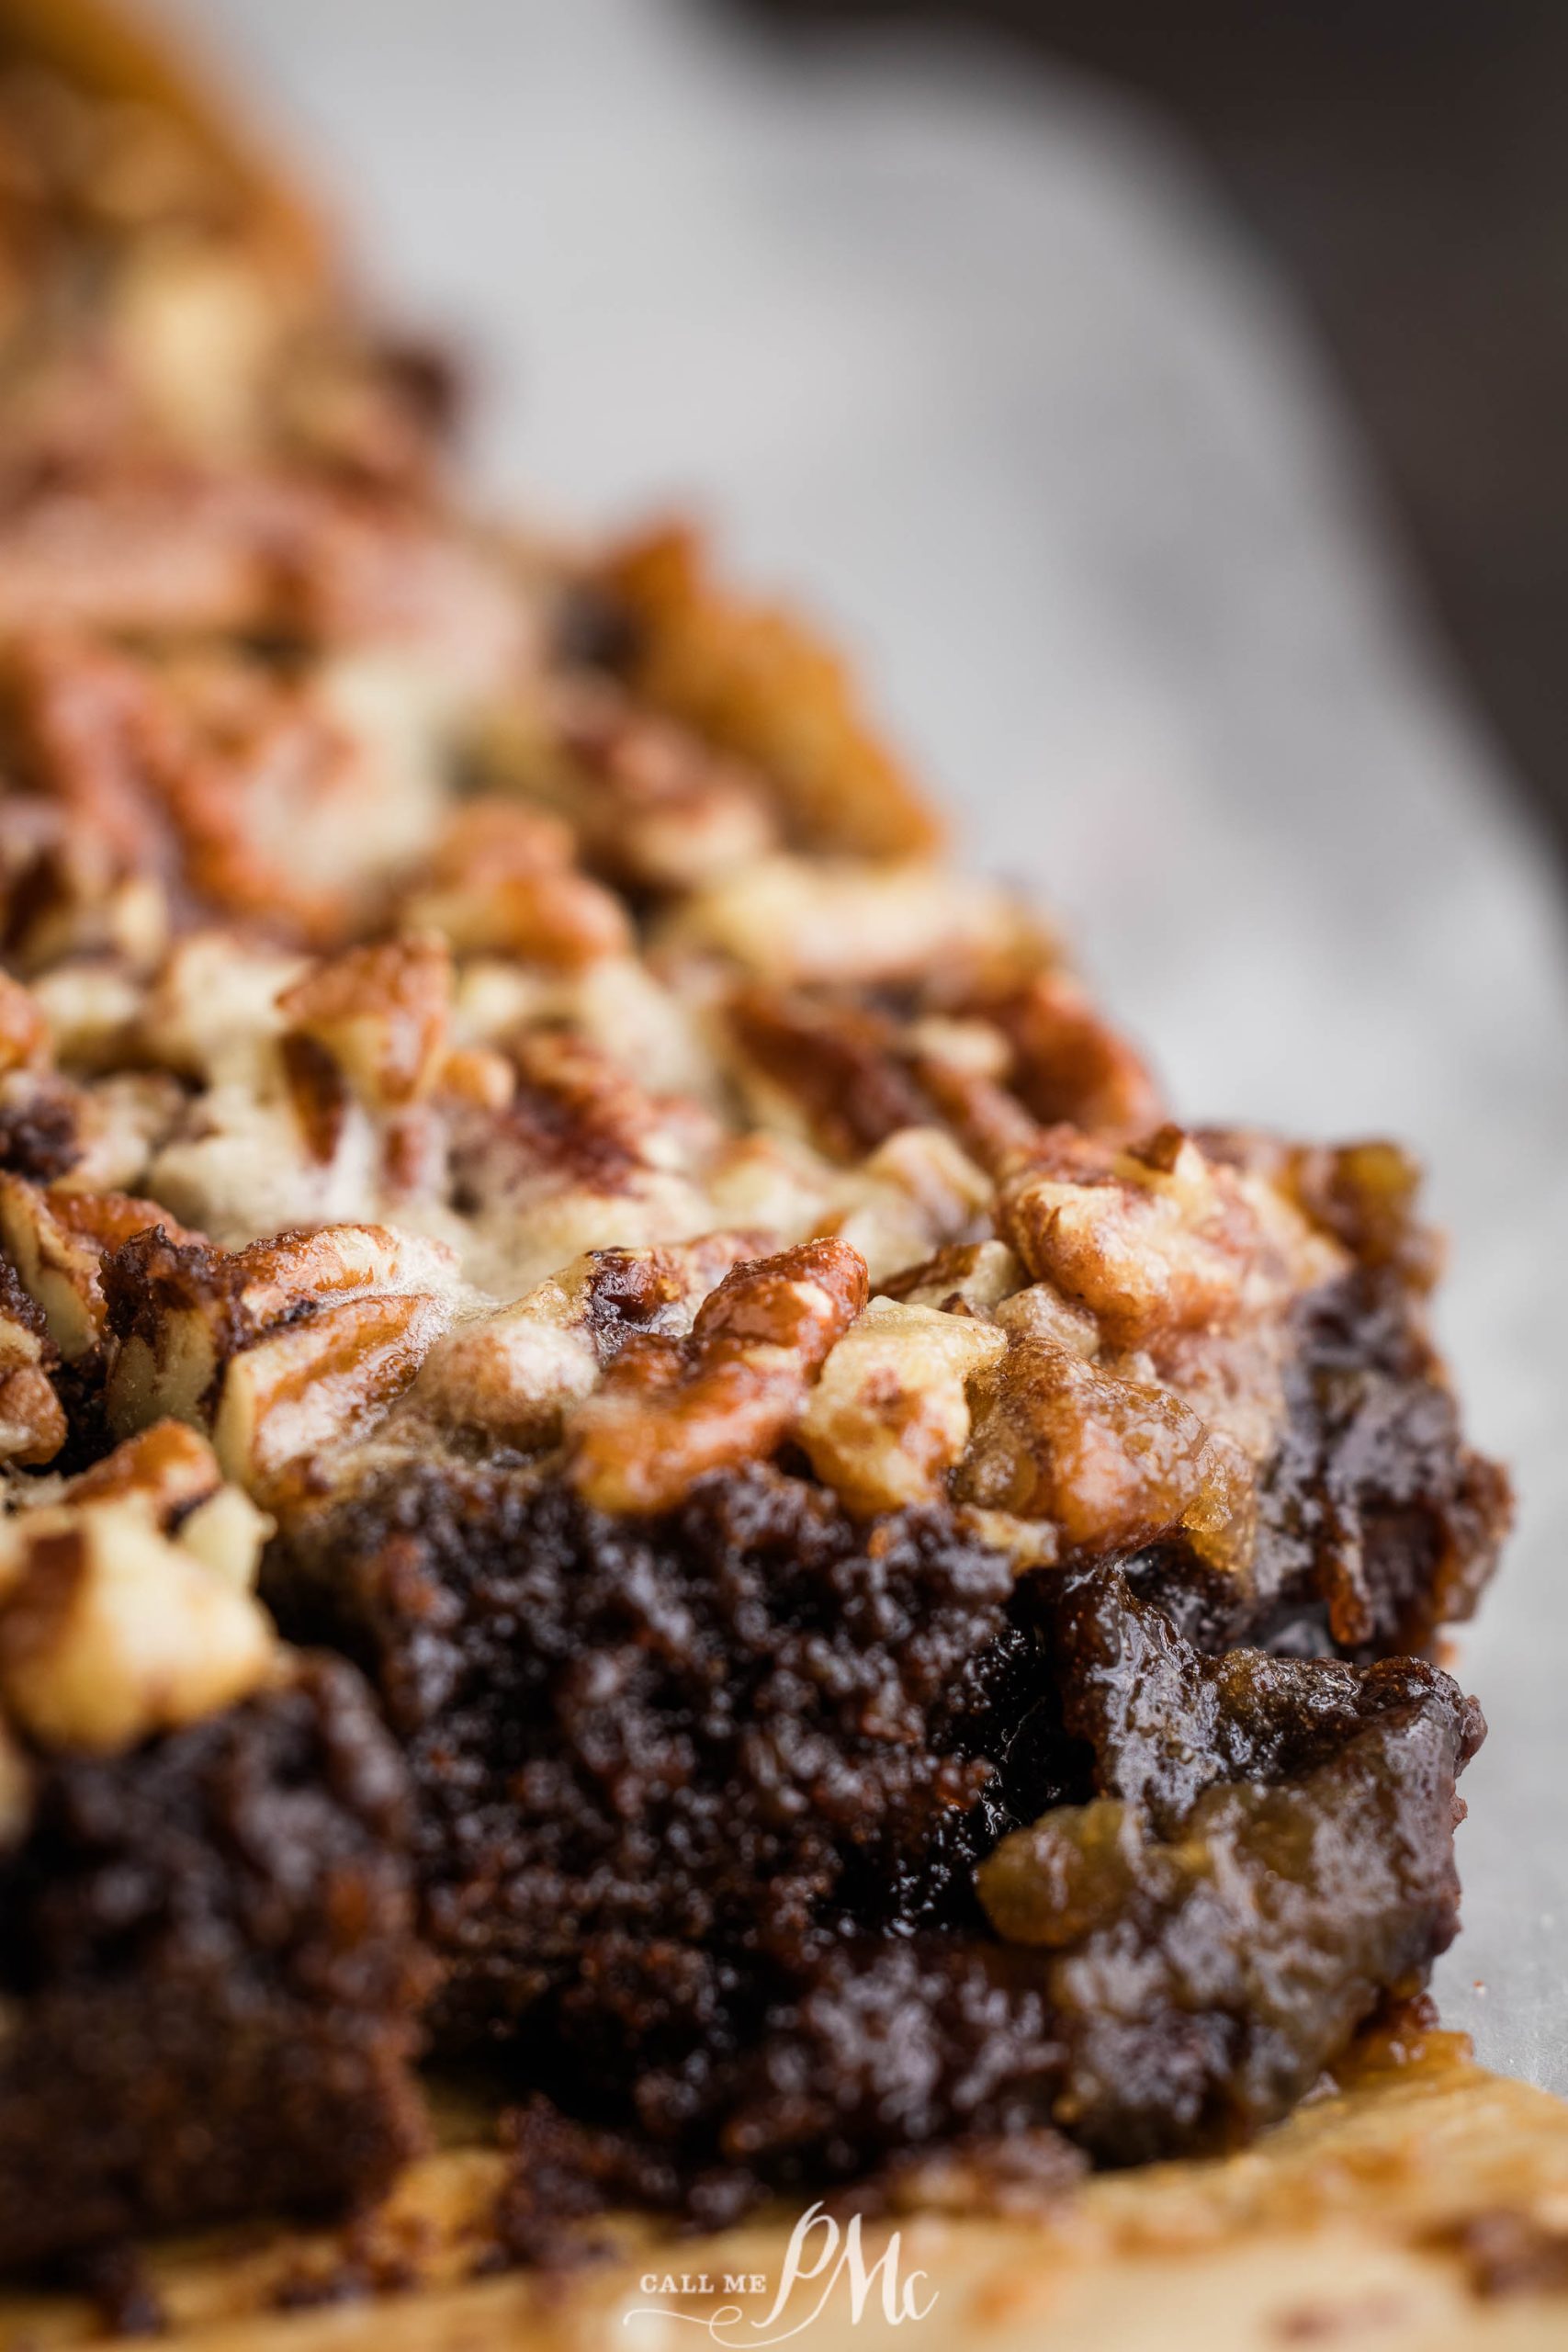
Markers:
(32, 1421)
(57, 1241)
(125, 1606)
(889, 1415)
(672, 1409)
(1068, 1062)
(1152, 1244)
(500, 880)
(650, 804)
(379, 1013)
(113, 1632)
(756, 681)
(1110, 1463)
(280, 1348)
(795, 921)
(511, 1375)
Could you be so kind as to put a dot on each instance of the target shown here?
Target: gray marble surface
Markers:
(975, 363)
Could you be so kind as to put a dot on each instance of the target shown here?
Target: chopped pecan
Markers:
(671, 1409)
(838, 1061)
(32, 1421)
(911, 1194)
(1069, 1063)
(500, 881)
(965, 1278)
(1113, 1463)
(650, 803)
(319, 1382)
(173, 1474)
(756, 681)
(798, 921)
(179, 550)
(380, 1014)
(279, 1348)
(112, 1630)
(125, 1606)
(1150, 1245)
(167, 1468)
(57, 1241)
(511, 1375)
(889, 1415)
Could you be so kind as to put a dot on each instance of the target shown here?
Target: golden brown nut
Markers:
(281, 1348)
(1068, 1062)
(672, 1409)
(1149, 1246)
(1110, 1463)
(650, 804)
(380, 1013)
(800, 921)
(319, 1382)
(510, 1376)
(756, 681)
(57, 1241)
(889, 1415)
(166, 1469)
(172, 1475)
(112, 1633)
(126, 1605)
(500, 881)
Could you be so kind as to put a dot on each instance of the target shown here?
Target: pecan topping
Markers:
(1151, 1246)
(1113, 1463)
(795, 922)
(1068, 1062)
(57, 1241)
(652, 805)
(281, 1348)
(672, 1409)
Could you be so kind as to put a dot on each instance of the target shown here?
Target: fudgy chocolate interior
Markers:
(702, 1798)
(208, 1977)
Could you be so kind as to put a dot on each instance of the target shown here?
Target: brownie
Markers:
(703, 1799)
(863, 1590)
(208, 1981)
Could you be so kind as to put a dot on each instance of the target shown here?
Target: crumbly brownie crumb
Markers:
(209, 1975)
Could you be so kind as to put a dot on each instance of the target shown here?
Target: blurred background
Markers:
(1161, 406)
